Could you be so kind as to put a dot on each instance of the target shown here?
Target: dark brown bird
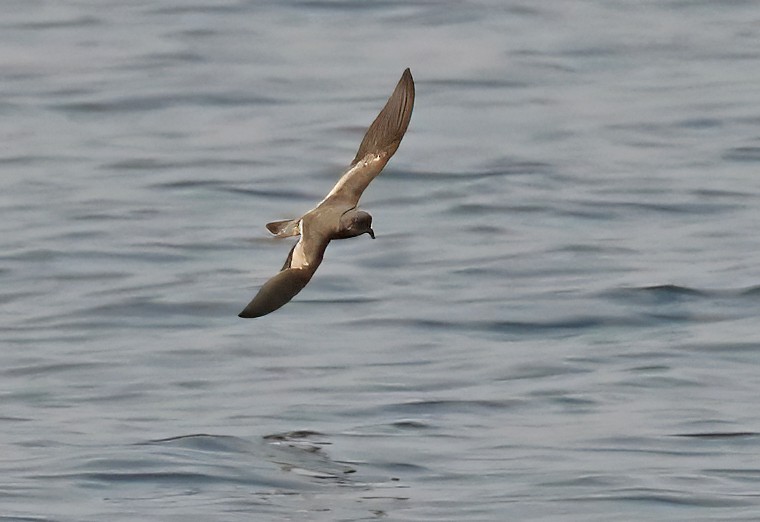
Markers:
(337, 216)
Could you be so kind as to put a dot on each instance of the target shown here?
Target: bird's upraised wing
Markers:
(379, 144)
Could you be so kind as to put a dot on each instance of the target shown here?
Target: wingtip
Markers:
(245, 314)
(257, 309)
(388, 128)
(254, 310)
(252, 313)
(407, 78)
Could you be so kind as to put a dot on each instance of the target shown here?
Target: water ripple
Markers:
(159, 102)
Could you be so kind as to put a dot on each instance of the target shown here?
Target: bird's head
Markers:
(355, 223)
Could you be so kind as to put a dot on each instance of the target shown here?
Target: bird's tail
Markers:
(285, 228)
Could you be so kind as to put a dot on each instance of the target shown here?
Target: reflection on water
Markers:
(557, 319)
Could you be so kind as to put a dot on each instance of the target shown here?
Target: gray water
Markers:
(557, 321)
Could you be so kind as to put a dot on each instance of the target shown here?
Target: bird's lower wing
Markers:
(300, 265)
(277, 291)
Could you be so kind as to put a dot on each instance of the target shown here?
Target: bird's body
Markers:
(337, 215)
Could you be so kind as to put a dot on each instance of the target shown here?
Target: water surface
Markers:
(557, 321)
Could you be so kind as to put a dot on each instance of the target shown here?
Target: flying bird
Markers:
(337, 216)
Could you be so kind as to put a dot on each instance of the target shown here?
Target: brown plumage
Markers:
(337, 216)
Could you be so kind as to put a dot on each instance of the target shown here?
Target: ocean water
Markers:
(558, 320)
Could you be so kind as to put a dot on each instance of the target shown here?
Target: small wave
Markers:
(154, 164)
(47, 369)
(411, 425)
(171, 477)
(751, 291)
(81, 21)
(202, 441)
(512, 327)
(614, 208)
(673, 292)
(700, 123)
(223, 186)
(718, 435)
(743, 154)
(293, 435)
(657, 293)
(671, 289)
(279, 193)
(649, 496)
(511, 169)
(443, 405)
(158, 102)
(478, 83)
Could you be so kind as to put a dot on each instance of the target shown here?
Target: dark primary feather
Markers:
(385, 133)
(380, 143)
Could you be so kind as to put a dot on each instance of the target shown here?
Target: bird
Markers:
(337, 216)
